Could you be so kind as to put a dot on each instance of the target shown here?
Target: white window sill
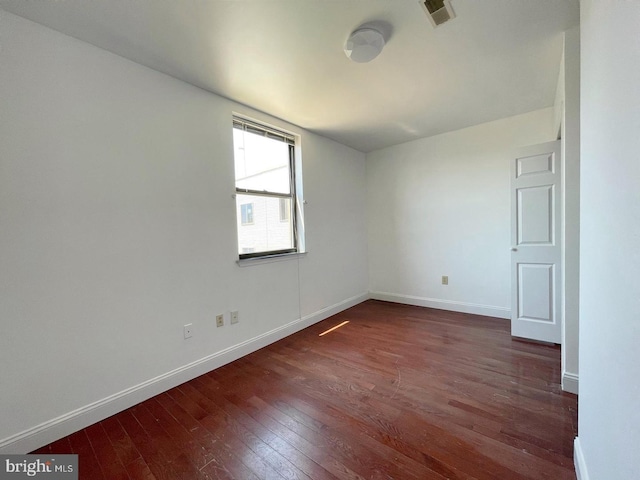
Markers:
(249, 262)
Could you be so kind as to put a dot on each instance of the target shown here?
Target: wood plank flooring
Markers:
(399, 392)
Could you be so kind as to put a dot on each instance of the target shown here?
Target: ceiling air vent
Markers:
(438, 11)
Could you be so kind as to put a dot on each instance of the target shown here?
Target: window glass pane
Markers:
(246, 213)
(261, 163)
(285, 209)
(267, 232)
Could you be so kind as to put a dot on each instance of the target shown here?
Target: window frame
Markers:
(278, 135)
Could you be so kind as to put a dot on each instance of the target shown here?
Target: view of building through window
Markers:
(264, 191)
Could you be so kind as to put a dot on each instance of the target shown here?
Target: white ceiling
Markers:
(285, 57)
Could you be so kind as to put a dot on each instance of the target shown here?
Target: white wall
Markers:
(117, 226)
(441, 206)
(335, 223)
(609, 417)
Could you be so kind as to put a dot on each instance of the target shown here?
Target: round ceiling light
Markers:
(364, 45)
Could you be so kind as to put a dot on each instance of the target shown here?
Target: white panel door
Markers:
(536, 255)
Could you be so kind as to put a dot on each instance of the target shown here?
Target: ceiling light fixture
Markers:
(364, 44)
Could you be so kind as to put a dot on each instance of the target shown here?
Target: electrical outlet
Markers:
(220, 320)
(234, 317)
(445, 280)
(188, 330)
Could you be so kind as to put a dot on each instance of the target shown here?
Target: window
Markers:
(246, 214)
(285, 207)
(265, 190)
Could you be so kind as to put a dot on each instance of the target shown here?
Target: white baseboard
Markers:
(570, 382)
(329, 311)
(487, 310)
(68, 423)
(578, 461)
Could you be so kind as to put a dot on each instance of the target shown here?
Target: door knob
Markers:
(514, 249)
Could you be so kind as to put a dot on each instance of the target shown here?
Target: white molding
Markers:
(251, 262)
(578, 461)
(75, 420)
(464, 307)
(570, 382)
(331, 310)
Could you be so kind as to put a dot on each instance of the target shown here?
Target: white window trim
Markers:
(282, 257)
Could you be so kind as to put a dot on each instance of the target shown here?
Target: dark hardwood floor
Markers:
(399, 392)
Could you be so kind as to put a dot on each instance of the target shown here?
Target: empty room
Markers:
(319, 239)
